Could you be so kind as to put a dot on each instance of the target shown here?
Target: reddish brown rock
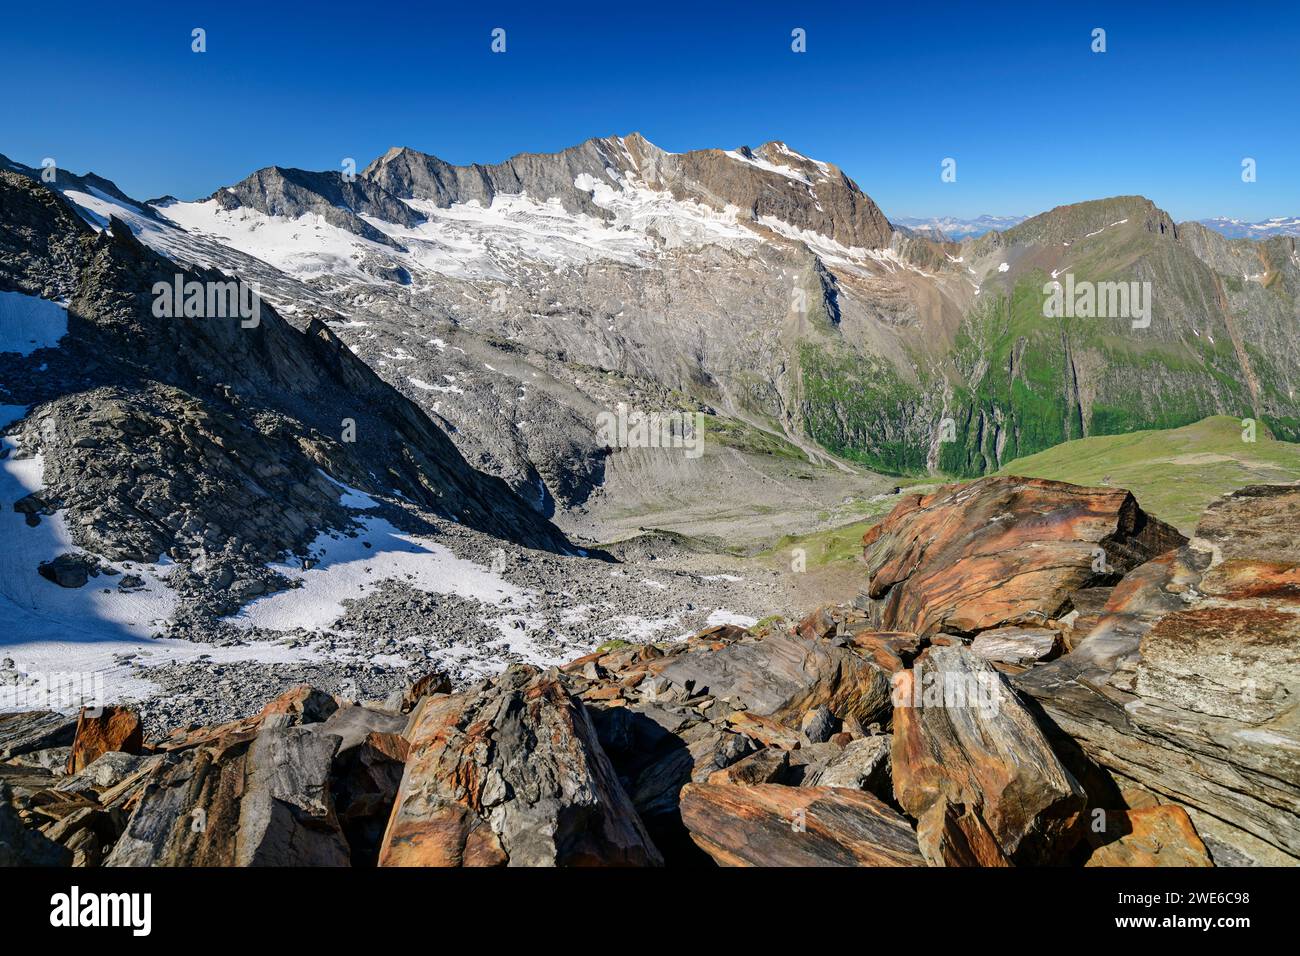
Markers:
(1002, 551)
(434, 682)
(1153, 836)
(111, 728)
(1188, 684)
(768, 765)
(510, 773)
(773, 825)
(302, 705)
(971, 765)
(820, 623)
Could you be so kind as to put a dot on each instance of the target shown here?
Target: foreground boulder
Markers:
(784, 677)
(1190, 683)
(773, 825)
(34, 731)
(671, 716)
(260, 798)
(971, 765)
(511, 773)
(1002, 551)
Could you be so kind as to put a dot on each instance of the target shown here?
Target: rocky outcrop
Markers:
(511, 773)
(1002, 551)
(1190, 682)
(772, 825)
(1165, 736)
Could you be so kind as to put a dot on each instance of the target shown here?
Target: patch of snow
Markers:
(28, 323)
(346, 568)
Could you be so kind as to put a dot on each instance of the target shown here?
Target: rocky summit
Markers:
(1161, 734)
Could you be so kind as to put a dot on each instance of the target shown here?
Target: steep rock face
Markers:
(1002, 551)
(511, 774)
(340, 201)
(1189, 683)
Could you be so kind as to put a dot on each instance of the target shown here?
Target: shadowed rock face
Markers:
(1190, 682)
(1002, 551)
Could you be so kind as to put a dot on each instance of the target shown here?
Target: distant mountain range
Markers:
(952, 229)
(949, 228)
(1240, 229)
(761, 286)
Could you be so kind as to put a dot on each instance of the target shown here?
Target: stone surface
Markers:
(966, 753)
(818, 725)
(1002, 551)
(260, 799)
(1017, 645)
(783, 677)
(20, 846)
(862, 764)
(773, 825)
(98, 732)
(511, 773)
(28, 732)
(1152, 836)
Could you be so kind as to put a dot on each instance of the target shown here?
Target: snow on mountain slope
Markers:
(52, 633)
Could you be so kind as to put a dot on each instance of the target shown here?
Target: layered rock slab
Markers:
(1190, 682)
(774, 825)
(511, 773)
(1002, 551)
(971, 765)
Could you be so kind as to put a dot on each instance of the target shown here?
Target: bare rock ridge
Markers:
(770, 181)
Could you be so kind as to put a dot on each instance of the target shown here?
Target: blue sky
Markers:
(1012, 91)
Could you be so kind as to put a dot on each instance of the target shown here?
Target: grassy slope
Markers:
(1173, 473)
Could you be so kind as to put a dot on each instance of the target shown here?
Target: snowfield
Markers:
(28, 323)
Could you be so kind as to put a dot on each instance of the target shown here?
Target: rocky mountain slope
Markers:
(198, 509)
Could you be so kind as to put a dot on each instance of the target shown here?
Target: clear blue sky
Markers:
(885, 90)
